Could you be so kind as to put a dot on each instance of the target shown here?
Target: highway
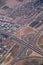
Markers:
(28, 11)
(36, 49)
(22, 43)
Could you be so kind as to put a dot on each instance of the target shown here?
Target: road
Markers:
(22, 43)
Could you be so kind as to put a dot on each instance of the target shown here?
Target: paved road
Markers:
(21, 42)
(36, 49)
(26, 46)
